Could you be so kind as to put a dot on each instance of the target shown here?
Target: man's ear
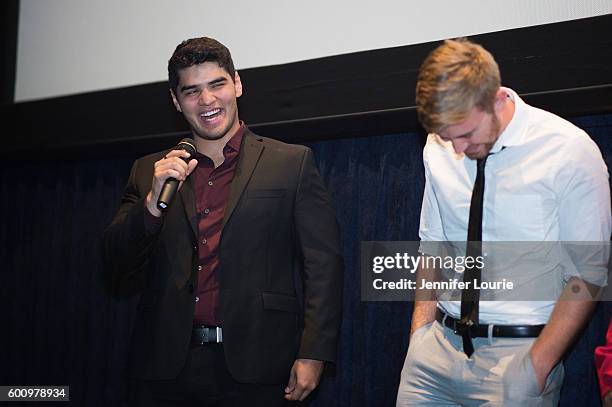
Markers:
(175, 101)
(500, 99)
(237, 85)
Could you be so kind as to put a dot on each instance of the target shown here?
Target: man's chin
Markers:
(213, 133)
(211, 136)
(477, 155)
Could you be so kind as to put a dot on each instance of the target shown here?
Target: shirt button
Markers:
(197, 299)
(206, 210)
(210, 183)
(204, 241)
(199, 268)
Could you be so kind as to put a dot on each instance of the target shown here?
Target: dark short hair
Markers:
(197, 51)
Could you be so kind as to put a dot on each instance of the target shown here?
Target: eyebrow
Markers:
(188, 87)
(469, 133)
(215, 81)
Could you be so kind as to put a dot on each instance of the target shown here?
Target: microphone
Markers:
(171, 184)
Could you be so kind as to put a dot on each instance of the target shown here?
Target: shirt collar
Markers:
(236, 141)
(233, 143)
(514, 133)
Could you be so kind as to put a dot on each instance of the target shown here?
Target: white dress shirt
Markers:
(545, 181)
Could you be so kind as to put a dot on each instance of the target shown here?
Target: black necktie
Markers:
(470, 295)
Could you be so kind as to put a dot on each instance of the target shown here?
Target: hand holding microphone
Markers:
(169, 173)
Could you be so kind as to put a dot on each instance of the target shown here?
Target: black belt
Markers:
(202, 334)
(482, 330)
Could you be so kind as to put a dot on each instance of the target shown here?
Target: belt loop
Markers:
(445, 328)
(490, 334)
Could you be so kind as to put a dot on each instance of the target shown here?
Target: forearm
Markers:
(424, 313)
(569, 316)
(322, 314)
(425, 301)
(323, 279)
(131, 238)
(126, 244)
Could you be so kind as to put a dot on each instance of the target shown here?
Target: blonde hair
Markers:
(454, 78)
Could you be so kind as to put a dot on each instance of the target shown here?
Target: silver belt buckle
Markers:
(219, 334)
(214, 335)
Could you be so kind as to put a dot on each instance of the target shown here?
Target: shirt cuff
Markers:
(152, 223)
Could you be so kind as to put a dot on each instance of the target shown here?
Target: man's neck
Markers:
(213, 149)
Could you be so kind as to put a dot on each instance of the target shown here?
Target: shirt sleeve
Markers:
(318, 237)
(584, 210)
(152, 223)
(430, 227)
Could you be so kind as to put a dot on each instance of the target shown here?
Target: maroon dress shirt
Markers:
(212, 188)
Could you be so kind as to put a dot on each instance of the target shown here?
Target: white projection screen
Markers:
(74, 46)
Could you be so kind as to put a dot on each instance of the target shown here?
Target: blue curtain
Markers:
(61, 327)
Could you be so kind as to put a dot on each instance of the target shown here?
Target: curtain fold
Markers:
(61, 326)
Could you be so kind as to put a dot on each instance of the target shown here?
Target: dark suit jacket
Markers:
(280, 267)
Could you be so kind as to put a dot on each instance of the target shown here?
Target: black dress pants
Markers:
(204, 381)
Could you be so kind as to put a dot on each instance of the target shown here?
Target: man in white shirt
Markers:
(544, 181)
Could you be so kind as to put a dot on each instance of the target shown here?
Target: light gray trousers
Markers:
(436, 372)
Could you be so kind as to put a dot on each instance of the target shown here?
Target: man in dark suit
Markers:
(241, 277)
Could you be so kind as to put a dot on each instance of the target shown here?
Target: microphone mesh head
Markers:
(188, 145)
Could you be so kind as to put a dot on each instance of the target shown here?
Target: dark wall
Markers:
(9, 18)
(61, 327)
(563, 67)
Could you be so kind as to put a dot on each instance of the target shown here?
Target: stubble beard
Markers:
(495, 132)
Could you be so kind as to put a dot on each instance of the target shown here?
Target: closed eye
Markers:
(217, 83)
(466, 135)
(189, 90)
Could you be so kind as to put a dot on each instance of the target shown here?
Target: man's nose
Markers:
(460, 146)
(206, 98)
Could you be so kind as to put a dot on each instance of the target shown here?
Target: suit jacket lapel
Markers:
(250, 151)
